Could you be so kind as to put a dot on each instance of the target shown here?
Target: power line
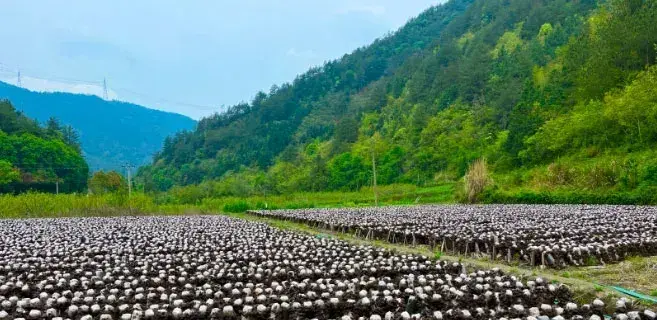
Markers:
(164, 100)
(5, 68)
(64, 168)
(40, 76)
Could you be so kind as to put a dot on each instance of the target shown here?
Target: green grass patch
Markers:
(44, 205)
(437, 255)
(388, 195)
(236, 206)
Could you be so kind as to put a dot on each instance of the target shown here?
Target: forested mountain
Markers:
(529, 85)
(35, 157)
(112, 133)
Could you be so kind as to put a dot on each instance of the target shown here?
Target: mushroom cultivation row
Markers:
(213, 267)
(550, 235)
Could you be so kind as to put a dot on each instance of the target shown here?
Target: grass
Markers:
(612, 177)
(437, 255)
(635, 273)
(42, 205)
(388, 195)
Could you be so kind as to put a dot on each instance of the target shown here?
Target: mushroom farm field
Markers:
(218, 267)
(546, 235)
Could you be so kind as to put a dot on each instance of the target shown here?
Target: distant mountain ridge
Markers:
(111, 132)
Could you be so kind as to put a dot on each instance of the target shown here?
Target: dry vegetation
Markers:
(476, 180)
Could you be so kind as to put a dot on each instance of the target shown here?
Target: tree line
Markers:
(42, 158)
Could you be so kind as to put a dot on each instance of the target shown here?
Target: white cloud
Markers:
(42, 85)
(376, 10)
(293, 52)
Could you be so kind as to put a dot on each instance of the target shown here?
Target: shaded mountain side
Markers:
(111, 132)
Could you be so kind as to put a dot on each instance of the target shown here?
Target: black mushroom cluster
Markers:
(212, 267)
(548, 235)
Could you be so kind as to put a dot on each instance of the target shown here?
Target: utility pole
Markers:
(376, 195)
(19, 83)
(105, 96)
(129, 167)
(57, 186)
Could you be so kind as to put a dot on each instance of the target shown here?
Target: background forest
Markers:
(39, 158)
(559, 96)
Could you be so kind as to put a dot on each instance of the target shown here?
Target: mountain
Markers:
(37, 158)
(112, 133)
(554, 93)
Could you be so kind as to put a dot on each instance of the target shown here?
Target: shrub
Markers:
(601, 176)
(650, 174)
(559, 174)
(476, 180)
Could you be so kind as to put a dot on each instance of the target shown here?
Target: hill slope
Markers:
(35, 158)
(540, 88)
(111, 132)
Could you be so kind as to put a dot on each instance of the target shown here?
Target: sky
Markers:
(193, 57)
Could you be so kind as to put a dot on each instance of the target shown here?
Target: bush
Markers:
(559, 174)
(639, 196)
(650, 174)
(476, 180)
(601, 176)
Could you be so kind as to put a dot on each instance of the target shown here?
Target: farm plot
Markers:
(211, 267)
(550, 235)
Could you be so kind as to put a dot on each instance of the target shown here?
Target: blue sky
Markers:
(190, 57)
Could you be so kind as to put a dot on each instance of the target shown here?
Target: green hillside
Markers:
(37, 158)
(554, 94)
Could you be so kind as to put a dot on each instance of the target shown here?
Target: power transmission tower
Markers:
(18, 82)
(105, 96)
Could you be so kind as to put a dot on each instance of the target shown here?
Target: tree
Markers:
(8, 119)
(372, 147)
(53, 128)
(347, 172)
(107, 182)
(46, 162)
(71, 137)
(8, 173)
